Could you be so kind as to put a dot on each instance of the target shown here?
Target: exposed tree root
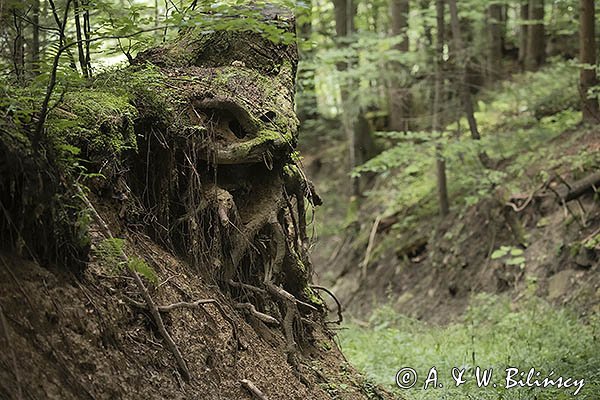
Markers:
(337, 302)
(257, 314)
(144, 292)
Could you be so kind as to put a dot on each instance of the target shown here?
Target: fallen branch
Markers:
(267, 319)
(145, 294)
(251, 387)
(581, 186)
(365, 262)
(337, 302)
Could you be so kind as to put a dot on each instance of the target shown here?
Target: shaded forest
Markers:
(299, 199)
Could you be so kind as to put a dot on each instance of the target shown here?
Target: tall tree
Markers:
(35, 36)
(80, 41)
(523, 29)
(495, 45)
(399, 96)
(463, 86)
(306, 93)
(357, 131)
(442, 185)
(536, 48)
(587, 57)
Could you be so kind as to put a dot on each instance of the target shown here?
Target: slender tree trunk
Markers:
(80, 43)
(463, 88)
(18, 47)
(495, 42)
(440, 162)
(87, 29)
(523, 31)
(306, 94)
(399, 96)
(587, 57)
(536, 47)
(35, 37)
(345, 10)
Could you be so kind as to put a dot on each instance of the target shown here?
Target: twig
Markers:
(12, 354)
(365, 262)
(251, 387)
(149, 303)
(337, 302)
(267, 319)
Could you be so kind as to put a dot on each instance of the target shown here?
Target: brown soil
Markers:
(432, 272)
(70, 338)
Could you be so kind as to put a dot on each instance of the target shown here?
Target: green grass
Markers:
(493, 334)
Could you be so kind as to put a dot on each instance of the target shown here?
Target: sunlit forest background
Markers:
(455, 145)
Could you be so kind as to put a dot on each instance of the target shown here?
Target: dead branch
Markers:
(144, 292)
(365, 262)
(267, 319)
(337, 302)
(251, 387)
(580, 187)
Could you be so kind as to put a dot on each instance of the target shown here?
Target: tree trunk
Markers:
(399, 96)
(495, 42)
(536, 47)
(437, 99)
(18, 47)
(35, 36)
(463, 87)
(587, 57)
(523, 31)
(345, 10)
(306, 98)
(80, 42)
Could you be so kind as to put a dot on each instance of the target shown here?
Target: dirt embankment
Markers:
(432, 271)
(177, 265)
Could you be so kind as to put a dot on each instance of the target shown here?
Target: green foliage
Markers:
(511, 255)
(100, 121)
(141, 267)
(494, 334)
(110, 251)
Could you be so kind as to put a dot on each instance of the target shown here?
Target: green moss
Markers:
(312, 297)
(99, 121)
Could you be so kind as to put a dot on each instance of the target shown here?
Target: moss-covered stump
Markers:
(195, 145)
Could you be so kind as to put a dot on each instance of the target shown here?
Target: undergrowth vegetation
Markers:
(516, 120)
(494, 333)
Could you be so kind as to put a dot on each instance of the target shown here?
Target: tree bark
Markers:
(18, 47)
(440, 162)
(463, 87)
(587, 57)
(495, 42)
(80, 42)
(307, 105)
(536, 48)
(345, 10)
(399, 96)
(523, 31)
(35, 36)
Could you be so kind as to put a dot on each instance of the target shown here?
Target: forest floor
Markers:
(76, 338)
(443, 291)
